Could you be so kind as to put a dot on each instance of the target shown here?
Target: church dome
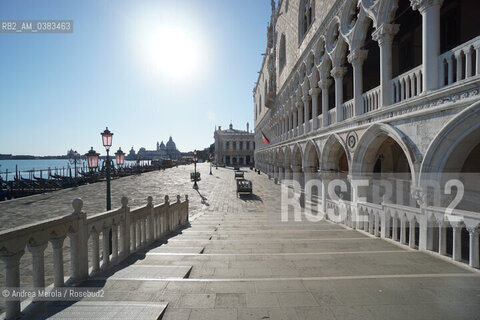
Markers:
(171, 144)
(162, 146)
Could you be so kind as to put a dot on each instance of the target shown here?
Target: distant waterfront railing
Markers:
(131, 229)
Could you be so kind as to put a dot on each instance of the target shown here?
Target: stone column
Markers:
(473, 247)
(442, 236)
(300, 117)
(430, 11)
(384, 36)
(403, 230)
(324, 84)
(411, 238)
(57, 245)
(38, 263)
(295, 122)
(395, 228)
(356, 58)
(306, 100)
(337, 74)
(11, 262)
(314, 92)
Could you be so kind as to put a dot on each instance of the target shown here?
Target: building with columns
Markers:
(363, 89)
(234, 147)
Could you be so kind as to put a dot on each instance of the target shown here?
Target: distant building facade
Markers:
(234, 147)
(168, 151)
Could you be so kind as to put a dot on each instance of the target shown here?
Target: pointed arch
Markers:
(312, 155)
(332, 150)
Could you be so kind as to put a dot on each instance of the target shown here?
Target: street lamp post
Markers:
(107, 138)
(92, 160)
(76, 158)
(195, 185)
(119, 157)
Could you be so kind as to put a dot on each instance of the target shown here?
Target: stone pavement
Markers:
(236, 261)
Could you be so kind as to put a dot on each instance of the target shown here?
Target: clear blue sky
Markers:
(59, 91)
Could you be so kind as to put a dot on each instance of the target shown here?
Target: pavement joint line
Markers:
(388, 276)
(279, 254)
(269, 240)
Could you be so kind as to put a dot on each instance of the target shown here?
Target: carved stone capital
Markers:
(338, 72)
(357, 57)
(306, 98)
(422, 5)
(385, 33)
(324, 84)
(314, 91)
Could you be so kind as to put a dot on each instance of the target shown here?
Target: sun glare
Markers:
(172, 52)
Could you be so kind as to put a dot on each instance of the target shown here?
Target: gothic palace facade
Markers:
(377, 89)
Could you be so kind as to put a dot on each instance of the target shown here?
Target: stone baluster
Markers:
(458, 58)
(371, 223)
(468, 63)
(477, 55)
(57, 246)
(384, 36)
(450, 69)
(95, 250)
(138, 232)
(356, 58)
(442, 235)
(38, 263)
(337, 74)
(472, 228)
(395, 227)
(457, 240)
(430, 11)
(295, 120)
(403, 229)
(114, 242)
(377, 225)
(366, 222)
(411, 237)
(11, 262)
(105, 246)
(300, 117)
(125, 227)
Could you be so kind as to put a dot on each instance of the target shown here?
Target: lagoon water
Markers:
(43, 164)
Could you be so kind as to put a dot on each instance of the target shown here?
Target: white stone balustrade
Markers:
(458, 64)
(399, 223)
(332, 116)
(149, 222)
(371, 100)
(407, 85)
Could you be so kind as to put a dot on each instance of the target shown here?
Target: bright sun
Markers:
(172, 52)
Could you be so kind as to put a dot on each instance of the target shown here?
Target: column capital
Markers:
(306, 98)
(338, 72)
(385, 33)
(422, 5)
(11, 258)
(324, 84)
(314, 91)
(37, 248)
(57, 242)
(298, 104)
(357, 57)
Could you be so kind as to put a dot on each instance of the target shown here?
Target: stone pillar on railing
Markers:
(430, 11)
(38, 262)
(324, 84)
(11, 262)
(337, 74)
(167, 215)
(458, 58)
(376, 231)
(79, 244)
(384, 36)
(306, 103)
(442, 234)
(472, 228)
(384, 224)
(394, 227)
(125, 229)
(57, 246)
(150, 220)
(314, 92)
(356, 58)
(457, 240)
(105, 246)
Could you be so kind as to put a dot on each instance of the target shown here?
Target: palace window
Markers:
(306, 17)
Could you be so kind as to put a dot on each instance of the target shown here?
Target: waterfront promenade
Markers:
(243, 264)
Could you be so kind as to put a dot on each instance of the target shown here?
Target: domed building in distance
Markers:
(168, 151)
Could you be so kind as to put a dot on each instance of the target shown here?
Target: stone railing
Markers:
(458, 64)
(131, 230)
(371, 99)
(407, 85)
(347, 109)
(332, 114)
(392, 221)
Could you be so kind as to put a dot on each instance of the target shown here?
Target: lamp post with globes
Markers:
(120, 157)
(92, 160)
(74, 159)
(107, 138)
